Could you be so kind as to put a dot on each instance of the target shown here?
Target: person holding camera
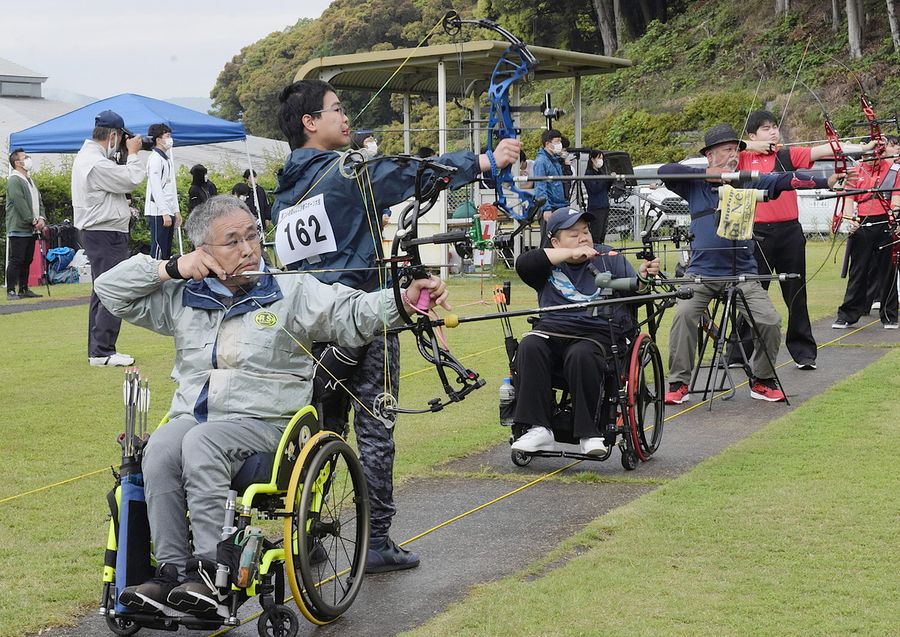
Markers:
(161, 202)
(24, 220)
(101, 212)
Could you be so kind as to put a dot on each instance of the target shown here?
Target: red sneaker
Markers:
(766, 390)
(678, 393)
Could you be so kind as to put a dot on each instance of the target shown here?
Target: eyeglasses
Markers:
(251, 239)
(337, 108)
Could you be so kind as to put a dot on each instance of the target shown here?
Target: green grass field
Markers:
(60, 419)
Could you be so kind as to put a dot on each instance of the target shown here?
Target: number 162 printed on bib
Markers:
(304, 231)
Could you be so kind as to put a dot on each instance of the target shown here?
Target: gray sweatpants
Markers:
(189, 466)
(683, 337)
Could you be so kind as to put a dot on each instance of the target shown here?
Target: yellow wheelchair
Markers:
(313, 482)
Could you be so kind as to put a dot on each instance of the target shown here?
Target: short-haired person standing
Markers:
(161, 203)
(24, 218)
(102, 214)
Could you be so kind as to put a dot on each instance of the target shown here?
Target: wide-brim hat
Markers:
(721, 134)
(566, 217)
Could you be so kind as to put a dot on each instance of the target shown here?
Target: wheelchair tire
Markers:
(646, 395)
(122, 625)
(629, 459)
(278, 621)
(327, 535)
(519, 458)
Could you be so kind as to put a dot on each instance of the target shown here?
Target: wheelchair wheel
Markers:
(519, 458)
(629, 459)
(122, 625)
(278, 621)
(327, 533)
(646, 393)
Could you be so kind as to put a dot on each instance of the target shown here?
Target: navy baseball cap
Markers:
(563, 218)
(109, 119)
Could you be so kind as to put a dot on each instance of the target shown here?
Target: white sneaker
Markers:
(116, 360)
(593, 446)
(535, 439)
(876, 306)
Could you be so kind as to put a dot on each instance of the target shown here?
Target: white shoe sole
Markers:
(753, 394)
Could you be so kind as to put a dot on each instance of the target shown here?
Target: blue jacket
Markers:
(306, 174)
(597, 191)
(546, 165)
(712, 255)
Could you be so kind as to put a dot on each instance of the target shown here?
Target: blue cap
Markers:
(566, 217)
(109, 119)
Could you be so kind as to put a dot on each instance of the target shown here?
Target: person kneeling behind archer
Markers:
(242, 366)
(577, 341)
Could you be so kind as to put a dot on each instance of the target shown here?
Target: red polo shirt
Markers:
(785, 207)
(870, 204)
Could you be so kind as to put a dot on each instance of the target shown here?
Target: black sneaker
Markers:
(384, 556)
(12, 296)
(840, 324)
(28, 294)
(151, 596)
(197, 595)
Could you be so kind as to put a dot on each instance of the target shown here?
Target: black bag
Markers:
(64, 235)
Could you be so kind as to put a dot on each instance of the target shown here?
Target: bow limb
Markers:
(516, 64)
(405, 264)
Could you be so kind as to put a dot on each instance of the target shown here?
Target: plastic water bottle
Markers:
(249, 561)
(507, 402)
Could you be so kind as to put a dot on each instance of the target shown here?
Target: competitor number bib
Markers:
(304, 231)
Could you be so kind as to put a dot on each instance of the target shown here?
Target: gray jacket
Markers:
(244, 360)
(99, 186)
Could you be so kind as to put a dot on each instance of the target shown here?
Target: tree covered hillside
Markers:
(696, 62)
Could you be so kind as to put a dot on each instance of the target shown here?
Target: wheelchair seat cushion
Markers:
(256, 468)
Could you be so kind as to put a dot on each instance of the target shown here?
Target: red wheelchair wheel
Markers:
(645, 393)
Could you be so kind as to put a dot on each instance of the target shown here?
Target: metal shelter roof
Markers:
(469, 66)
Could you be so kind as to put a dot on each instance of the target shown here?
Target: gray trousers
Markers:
(189, 466)
(104, 249)
(683, 337)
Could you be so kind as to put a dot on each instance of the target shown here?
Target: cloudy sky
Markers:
(160, 48)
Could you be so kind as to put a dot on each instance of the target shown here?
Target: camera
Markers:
(147, 143)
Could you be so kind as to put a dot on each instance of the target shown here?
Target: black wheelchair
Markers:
(313, 484)
(630, 413)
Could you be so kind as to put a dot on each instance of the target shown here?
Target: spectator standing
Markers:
(201, 188)
(102, 215)
(24, 218)
(265, 208)
(598, 196)
(161, 202)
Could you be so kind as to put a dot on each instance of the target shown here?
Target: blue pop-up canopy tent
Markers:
(66, 133)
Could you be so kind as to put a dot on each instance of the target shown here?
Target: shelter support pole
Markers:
(407, 141)
(259, 220)
(476, 139)
(442, 146)
(577, 111)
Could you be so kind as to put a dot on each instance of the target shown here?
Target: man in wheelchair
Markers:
(577, 343)
(242, 366)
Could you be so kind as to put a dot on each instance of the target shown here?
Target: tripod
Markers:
(720, 328)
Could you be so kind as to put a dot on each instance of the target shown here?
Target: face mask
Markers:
(168, 142)
(111, 148)
(27, 164)
(598, 163)
(243, 197)
(372, 148)
(556, 148)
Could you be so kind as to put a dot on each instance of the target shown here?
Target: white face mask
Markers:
(27, 164)
(556, 148)
(168, 142)
(598, 162)
(111, 147)
(372, 148)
